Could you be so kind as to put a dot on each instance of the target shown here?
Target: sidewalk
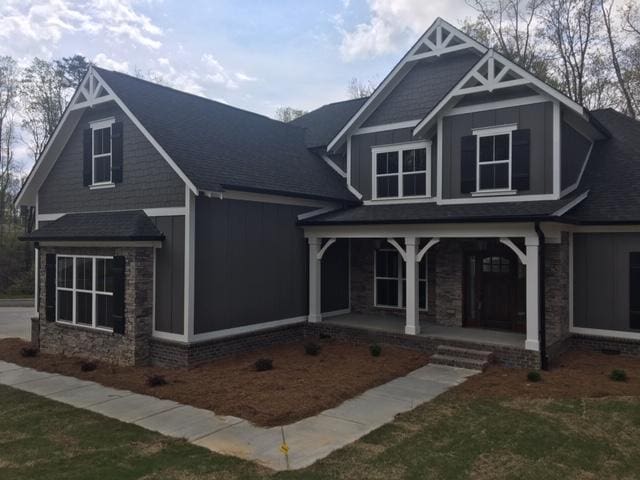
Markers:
(308, 440)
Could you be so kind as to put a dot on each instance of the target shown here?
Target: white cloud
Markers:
(32, 25)
(244, 77)
(214, 72)
(102, 60)
(394, 25)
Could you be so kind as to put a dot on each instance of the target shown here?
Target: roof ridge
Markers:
(194, 95)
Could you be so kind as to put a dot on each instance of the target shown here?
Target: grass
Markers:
(452, 437)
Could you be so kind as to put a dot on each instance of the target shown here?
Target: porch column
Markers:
(533, 288)
(412, 326)
(315, 294)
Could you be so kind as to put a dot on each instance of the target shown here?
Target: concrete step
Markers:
(462, 362)
(465, 353)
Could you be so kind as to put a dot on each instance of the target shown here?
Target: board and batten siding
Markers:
(601, 280)
(335, 277)
(574, 149)
(148, 180)
(169, 302)
(251, 264)
(362, 157)
(536, 117)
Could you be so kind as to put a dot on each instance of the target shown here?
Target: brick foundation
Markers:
(595, 343)
(132, 348)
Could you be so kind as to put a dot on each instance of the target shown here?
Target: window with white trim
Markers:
(84, 290)
(390, 280)
(401, 171)
(101, 152)
(494, 158)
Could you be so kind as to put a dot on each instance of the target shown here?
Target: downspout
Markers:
(542, 324)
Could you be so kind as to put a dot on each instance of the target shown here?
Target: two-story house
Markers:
(465, 203)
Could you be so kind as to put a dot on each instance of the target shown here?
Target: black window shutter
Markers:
(116, 152)
(50, 287)
(634, 290)
(87, 157)
(520, 154)
(118, 272)
(468, 164)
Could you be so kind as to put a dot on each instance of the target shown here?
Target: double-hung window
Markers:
(84, 291)
(391, 282)
(401, 171)
(101, 152)
(494, 158)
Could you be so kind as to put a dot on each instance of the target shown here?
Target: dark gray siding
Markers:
(422, 88)
(537, 117)
(574, 149)
(148, 180)
(601, 279)
(335, 277)
(362, 159)
(251, 264)
(169, 308)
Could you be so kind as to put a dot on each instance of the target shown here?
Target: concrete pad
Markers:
(443, 374)
(22, 375)
(132, 408)
(370, 410)
(187, 422)
(55, 384)
(90, 395)
(410, 389)
(6, 366)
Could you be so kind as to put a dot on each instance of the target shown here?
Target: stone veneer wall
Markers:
(449, 256)
(557, 295)
(362, 282)
(131, 348)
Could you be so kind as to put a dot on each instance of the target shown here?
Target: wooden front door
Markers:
(494, 290)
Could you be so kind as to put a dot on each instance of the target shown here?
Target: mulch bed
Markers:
(299, 385)
(577, 374)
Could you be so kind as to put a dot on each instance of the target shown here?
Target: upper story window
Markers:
(401, 171)
(101, 152)
(494, 158)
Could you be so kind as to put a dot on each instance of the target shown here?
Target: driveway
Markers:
(16, 322)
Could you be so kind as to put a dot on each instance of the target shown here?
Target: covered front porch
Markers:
(459, 283)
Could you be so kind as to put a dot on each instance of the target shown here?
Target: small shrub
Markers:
(375, 350)
(29, 351)
(534, 376)
(263, 364)
(312, 348)
(618, 375)
(156, 380)
(88, 366)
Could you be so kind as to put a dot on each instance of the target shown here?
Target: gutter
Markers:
(542, 324)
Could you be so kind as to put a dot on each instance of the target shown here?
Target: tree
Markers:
(358, 89)
(288, 114)
(8, 94)
(73, 69)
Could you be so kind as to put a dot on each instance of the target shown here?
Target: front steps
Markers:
(462, 357)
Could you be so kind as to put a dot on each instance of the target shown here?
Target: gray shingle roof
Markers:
(222, 147)
(324, 123)
(131, 225)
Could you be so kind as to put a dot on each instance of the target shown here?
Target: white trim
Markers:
(596, 332)
(256, 327)
(350, 187)
(103, 123)
(36, 263)
(315, 213)
(575, 185)
(397, 246)
(570, 205)
(386, 127)
(571, 275)
(424, 39)
(336, 313)
(481, 107)
(493, 132)
(100, 243)
(498, 199)
(493, 192)
(151, 212)
(335, 166)
(189, 262)
(439, 148)
(267, 198)
(153, 294)
(400, 148)
(315, 280)
(522, 256)
(532, 246)
(400, 279)
(324, 248)
(174, 337)
(165, 212)
(397, 201)
(431, 243)
(101, 186)
(557, 142)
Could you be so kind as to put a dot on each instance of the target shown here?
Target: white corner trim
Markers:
(570, 205)
(596, 332)
(350, 187)
(189, 262)
(575, 185)
(386, 127)
(255, 327)
(481, 107)
(333, 165)
(557, 149)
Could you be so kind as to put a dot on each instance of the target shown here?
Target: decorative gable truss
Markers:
(488, 75)
(441, 39)
(91, 92)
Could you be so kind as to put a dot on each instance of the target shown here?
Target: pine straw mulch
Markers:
(299, 385)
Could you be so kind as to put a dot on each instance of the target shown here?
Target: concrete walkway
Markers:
(308, 440)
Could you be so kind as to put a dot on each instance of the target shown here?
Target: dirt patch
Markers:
(577, 374)
(298, 386)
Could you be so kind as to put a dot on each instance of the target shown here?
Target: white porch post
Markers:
(315, 309)
(533, 289)
(412, 326)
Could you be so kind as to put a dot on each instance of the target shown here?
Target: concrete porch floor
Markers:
(395, 324)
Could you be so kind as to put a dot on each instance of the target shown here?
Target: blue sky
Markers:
(256, 55)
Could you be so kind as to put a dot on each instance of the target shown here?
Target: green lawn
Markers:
(450, 438)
